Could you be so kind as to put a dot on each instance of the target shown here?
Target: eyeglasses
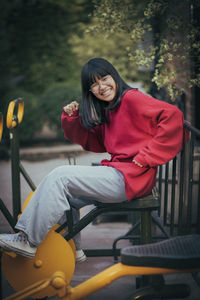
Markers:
(103, 81)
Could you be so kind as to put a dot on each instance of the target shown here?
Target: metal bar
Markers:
(133, 228)
(198, 206)
(1, 283)
(157, 221)
(181, 189)
(173, 196)
(7, 215)
(30, 290)
(169, 181)
(160, 181)
(195, 133)
(145, 227)
(101, 252)
(88, 218)
(190, 184)
(166, 193)
(192, 129)
(16, 191)
(27, 177)
(185, 187)
(69, 217)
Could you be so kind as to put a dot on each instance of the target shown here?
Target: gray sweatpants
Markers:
(65, 186)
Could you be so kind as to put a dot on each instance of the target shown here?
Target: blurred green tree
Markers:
(113, 47)
(174, 46)
(35, 52)
(108, 39)
(53, 100)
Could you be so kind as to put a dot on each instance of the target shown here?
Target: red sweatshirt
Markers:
(144, 128)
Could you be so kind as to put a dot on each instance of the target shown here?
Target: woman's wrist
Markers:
(138, 164)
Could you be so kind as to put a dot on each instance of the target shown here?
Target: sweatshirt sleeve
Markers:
(90, 140)
(168, 138)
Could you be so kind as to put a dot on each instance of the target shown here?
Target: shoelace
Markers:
(19, 237)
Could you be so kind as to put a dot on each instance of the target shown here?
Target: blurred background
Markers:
(44, 44)
(155, 46)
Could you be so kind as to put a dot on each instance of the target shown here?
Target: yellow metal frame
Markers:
(10, 121)
(97, 282)
(22, 272)
(57, 280)
(1, 125)
(55, 253)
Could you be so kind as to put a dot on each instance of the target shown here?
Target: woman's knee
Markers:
(65, 172)
(57, 173)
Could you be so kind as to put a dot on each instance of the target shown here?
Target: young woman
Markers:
(138, 131)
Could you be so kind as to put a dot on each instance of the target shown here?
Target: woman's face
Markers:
(104, 88)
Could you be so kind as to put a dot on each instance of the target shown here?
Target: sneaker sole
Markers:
(17, 251)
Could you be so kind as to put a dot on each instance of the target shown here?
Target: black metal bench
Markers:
(144, 205)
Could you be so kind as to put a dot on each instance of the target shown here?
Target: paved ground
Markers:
(93, 236)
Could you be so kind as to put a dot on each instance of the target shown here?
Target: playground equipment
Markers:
(1, 125)
(14, 118)
(51, 270)
(153, 259)
(18, 270)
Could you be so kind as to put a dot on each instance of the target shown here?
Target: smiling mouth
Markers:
(107, 93)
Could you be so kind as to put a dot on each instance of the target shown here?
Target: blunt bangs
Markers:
(96, 68)
(93, 74)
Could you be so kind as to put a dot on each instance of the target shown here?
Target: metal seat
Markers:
(178, 254)
(181, 252)
(145, 205)
(150, 202)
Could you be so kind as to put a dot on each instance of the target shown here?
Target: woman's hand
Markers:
(71, 108)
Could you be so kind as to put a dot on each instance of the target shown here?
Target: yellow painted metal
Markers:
(10, 122)
(1, 125)
(55, 251)
(30, 290)
(27, 200)
(112, 273)
(11, 254)
(70, 242)
(66, 292)
(53, 254)
(57, 281)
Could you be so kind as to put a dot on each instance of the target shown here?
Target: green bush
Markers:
(40, 110)
(53, 100)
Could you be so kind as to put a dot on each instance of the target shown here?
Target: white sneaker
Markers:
(80, 256)
(17, 243)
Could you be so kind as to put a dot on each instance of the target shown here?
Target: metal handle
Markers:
(1, 125)
(15, 119)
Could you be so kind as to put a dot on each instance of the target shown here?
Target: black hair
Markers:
(93, 110)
